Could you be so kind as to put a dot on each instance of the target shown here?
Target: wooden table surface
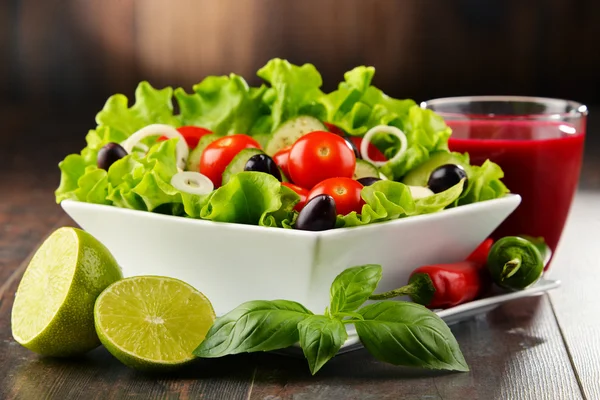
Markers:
(546, 347)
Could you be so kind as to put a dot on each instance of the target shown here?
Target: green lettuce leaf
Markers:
(294, 90)
(225, 105)
(425, 132)
(384, 201)
(253, 198)
(142, 182)
(356, 106)
(152, 106)
(439, 201)
(71, 169)
(80, 182)
(484, 183)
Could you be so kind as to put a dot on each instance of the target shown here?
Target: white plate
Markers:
(455, 314)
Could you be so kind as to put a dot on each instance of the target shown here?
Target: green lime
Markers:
(53, 309)
(150, 322)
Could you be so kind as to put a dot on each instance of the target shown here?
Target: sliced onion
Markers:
(159, 130)
(192, 183)
(419, 192)
(364, 146)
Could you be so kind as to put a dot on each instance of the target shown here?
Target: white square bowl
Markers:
(234, 263)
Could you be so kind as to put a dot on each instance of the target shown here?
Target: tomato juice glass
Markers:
(538, 142)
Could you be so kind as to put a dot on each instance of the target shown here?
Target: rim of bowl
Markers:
(253, 228)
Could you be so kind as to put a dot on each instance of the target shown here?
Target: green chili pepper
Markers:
(515, 263)
(539, 243)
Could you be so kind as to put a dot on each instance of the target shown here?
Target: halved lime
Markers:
(151, 322)
(53, 309)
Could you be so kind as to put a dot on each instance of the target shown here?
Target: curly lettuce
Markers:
(225, 105)
(389, 200)
(228, 105)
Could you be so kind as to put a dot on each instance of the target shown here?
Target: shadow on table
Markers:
(489, 343)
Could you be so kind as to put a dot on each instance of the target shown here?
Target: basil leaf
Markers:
(409, 334)
(254, 326)
(321, 338)
(352, 288)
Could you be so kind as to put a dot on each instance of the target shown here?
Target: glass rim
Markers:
(579, 109)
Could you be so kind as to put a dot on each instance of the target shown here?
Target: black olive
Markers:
(352, 147)
(319, 214)
(110, 153)
(444, 177)
(368, 180)
(263, 163)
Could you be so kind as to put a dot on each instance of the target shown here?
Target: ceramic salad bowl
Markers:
(233, 263)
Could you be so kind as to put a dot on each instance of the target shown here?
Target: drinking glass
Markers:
(538, 142)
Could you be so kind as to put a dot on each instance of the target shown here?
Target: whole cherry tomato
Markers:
(282, 158)
(219, 154)
(320, 155)
(303, 193)
(374, 153)
(345, 192)
(191, 134)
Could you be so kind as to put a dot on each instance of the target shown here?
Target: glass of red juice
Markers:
(538, 142)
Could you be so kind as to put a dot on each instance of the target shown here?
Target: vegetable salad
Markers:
(283, 154)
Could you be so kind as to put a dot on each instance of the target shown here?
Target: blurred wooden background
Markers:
(63, 53)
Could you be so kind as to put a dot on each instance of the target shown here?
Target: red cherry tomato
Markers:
(303, 193)
(374, 153)
(318, 156)
(333, 129)
(282, 158)
(191, 134)
(480, 254)
(219, 154)
(345, 192)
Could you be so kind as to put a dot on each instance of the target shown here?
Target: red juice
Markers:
(541, 161)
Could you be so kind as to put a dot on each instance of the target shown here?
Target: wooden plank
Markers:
(577, 264)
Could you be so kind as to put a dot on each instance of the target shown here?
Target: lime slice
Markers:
(150, 322)
(53, 309)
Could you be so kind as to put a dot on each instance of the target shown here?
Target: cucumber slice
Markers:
(292, 130)
(365, 169)
(193, 161)
(238, 163)
(419, 176)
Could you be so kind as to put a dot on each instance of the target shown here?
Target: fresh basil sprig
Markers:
(400, 333)
(352, 288)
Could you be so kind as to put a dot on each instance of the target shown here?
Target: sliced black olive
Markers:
(319, 214)
(352, 147)
(263, 163)
(110, 153)
(368, 180)
(444, 177)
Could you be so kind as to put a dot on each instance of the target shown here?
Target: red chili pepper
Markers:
(334, 129)
(191, 134)
(442, 285)
(480, 254)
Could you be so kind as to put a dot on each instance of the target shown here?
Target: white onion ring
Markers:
(419, 192)
(364, 146)
(192, 183)
(162, 130)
